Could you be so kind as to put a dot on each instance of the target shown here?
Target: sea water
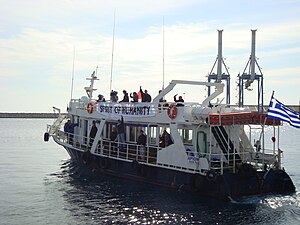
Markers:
(40, 185)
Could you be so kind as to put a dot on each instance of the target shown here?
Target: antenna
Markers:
(73, 72)
(163, 31)
(112, 53)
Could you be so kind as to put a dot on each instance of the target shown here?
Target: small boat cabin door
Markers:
(201, 143)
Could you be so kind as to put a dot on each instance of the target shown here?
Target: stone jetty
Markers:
(28, 115)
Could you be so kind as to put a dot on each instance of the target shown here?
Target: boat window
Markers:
(161, 130)
(186, 135)
(108, 127)
(152, 135)
(107, 130)
(165, 138)
(132, 133)
(85, 129)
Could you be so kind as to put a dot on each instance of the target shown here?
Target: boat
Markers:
(202, 148)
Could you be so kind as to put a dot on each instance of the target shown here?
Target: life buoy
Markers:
(90, 107)
(172, 111)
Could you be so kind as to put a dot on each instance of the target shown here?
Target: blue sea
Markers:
(40, 185)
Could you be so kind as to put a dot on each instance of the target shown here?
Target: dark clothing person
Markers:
(142, 94)
(179, 100)
(114, 96)
(165, 139)
(121, 132)
(147, 97)
(69, 130)
(101, 98)
(134, 97)
(126, 97)
(93, 133)
(142, 140)
(161, 99)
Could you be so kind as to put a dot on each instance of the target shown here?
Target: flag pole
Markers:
(299, 110)
(263, 130)
(272, 94)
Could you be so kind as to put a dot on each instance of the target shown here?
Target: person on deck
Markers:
(134, 97)
(165, 139)
(161, 99)
(121, 132)
(147, 97)
(126, 97)
(179, 100)
(142, 140)
(114, 96)
(69, 130)
(93, 133)
(101, 98)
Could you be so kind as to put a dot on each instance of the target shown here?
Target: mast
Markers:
(112, 53)
(89, 90)
(163, 31)
(73, 72)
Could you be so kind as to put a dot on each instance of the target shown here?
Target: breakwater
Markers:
(29, 115)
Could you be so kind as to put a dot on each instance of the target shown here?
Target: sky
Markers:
(45, 45)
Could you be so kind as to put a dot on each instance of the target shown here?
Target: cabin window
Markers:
(186, 135)
(107, 130)
(108, 127)
(152, 135)
(85, 130)
(132, 134)
(165, 138)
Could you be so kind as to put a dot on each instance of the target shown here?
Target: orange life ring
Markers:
(172, 111)
(90, 107)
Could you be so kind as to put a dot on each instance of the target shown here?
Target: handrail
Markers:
(131, 151)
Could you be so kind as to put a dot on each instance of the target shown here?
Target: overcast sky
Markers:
(38, 38)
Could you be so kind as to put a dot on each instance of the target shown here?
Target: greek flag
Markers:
(279, 111)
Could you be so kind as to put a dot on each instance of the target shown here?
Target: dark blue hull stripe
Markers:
(244, 183)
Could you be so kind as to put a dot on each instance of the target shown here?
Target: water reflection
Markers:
(92, 199)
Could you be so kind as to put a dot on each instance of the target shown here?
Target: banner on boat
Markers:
(130, 109)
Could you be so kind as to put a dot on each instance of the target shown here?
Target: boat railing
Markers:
(124, 151)
(148, 154)
(73, 140)
(259, 160)
(127, 151)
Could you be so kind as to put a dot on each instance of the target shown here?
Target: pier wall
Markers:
(29, 115)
